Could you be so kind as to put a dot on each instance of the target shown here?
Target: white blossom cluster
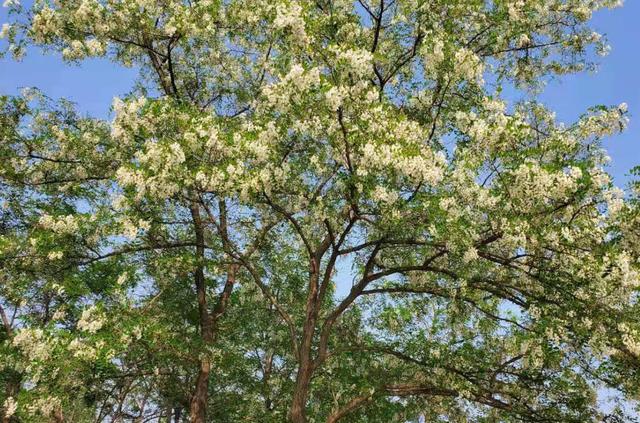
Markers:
(289, 16)
(61, 225)
(91, 320)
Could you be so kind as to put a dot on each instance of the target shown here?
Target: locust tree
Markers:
(315, 211)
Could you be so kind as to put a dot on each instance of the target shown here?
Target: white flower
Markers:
(5, 30)
(384, 195)
(334, 98)
(468, 65)
(89, 322)
(55, 255)
(60, 225)
(129, 229)
(122, 279)
(95, 47)
(82, 350)
(144, 225)
(137, 332)
(470, 255)
(10, 406)
(359, 61)
(524, 40)
(177, 153)
(575, 172)
(434, 53)
(630, 338)
(33, 342)
(58, 315)
(290, 16)
(9, 3)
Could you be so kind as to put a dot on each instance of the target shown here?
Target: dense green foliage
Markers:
(315, 211)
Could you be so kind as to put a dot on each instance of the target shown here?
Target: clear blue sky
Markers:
(93, 85)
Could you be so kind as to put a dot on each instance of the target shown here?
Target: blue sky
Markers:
(93, 84)
(615, 82)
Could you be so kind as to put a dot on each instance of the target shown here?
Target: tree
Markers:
(271, 153)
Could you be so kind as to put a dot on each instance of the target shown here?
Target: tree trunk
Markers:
(58, 417)
(198, 404)
(208, 320)
(268, 366)
(297, 411)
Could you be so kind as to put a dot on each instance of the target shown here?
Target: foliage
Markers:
(315, 211)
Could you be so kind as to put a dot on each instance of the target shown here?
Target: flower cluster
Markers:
(91, 320)
(289, 16)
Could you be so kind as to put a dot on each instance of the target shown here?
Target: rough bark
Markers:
(297, 411)
(198, 406)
